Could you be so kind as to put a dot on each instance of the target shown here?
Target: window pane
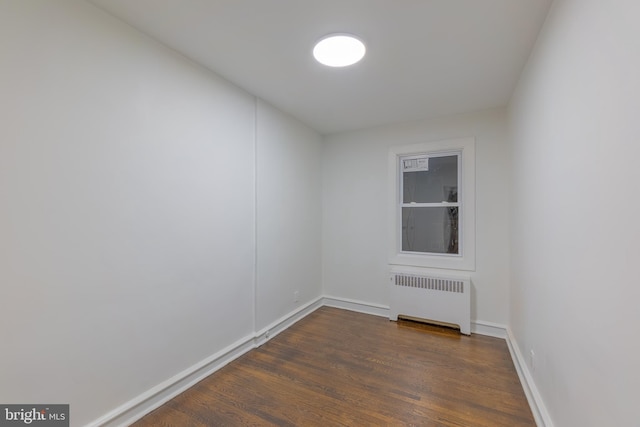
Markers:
(438, 184)
(431, 230)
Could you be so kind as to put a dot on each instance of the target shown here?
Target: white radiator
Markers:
(438, 298)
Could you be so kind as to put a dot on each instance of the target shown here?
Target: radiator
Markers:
(435, 298)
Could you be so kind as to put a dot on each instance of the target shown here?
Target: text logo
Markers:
(34, 415)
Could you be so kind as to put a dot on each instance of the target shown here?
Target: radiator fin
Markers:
(433, 283)
(431, 297)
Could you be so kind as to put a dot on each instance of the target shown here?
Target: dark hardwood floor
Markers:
(340, 368)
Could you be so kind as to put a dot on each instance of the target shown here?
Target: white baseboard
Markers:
(143, 404)
(538, 408)
(284, 322)
(354, 305)
(480, 327)
(490, 329)
(146, 402)
(477, 326)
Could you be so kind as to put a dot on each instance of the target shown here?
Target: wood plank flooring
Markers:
(340, 368)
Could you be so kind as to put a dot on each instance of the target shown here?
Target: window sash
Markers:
(458, 204)
(431, 231)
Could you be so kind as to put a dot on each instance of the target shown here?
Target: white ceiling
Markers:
(425, 58)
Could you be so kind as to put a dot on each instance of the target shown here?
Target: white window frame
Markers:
(465, 259)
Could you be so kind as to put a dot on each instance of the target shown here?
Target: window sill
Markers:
(433, 261)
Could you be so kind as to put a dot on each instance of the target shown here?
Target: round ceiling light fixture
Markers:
(339, 50)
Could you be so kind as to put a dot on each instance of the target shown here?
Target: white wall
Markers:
(355, 209)
(128, 209)
(575, 236)
(289, 215)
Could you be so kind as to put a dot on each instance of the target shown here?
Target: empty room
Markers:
(209, 217)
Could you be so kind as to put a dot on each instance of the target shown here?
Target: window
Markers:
(429, 204)
(432, 204)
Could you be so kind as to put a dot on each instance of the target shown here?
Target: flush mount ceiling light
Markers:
(339, 50)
